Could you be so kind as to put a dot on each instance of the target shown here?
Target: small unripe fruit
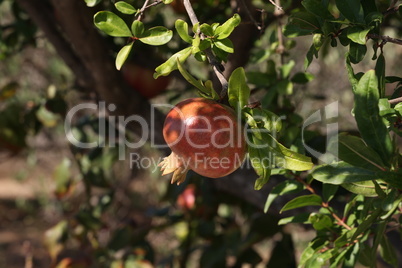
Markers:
(204, 136)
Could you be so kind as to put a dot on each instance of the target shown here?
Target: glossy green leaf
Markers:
(301, 23)
(182, 29)
(166, 2)
(92, 3)
(318, 8)
(223, 31)
(366, 223)
(171, 64)
(320, 221)
(351, 74)
(358, 34)
(302, 201)
(262, 118)
(371, 126)
(380, 73)
(352, 10)
(284, 157)
(156, 36)
(329, 191)
(353, 150)
(365, 188)
(225, 45)
(190, 78)
(111, 24)
(123, 55)
(299, 218)
(312, 52)
(207, 30)
(125, 7)
(259, 162)
(137, 27)
(285, 187)
(238, 90)
(387, 252)
(356, 52)
(344, 173)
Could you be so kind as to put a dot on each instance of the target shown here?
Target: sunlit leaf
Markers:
(156, 36)
(223, 31)
(122, 55)
(125, 7)
(111, 24)
(302, 201)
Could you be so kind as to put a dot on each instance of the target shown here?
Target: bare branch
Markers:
(395, 101)
(216, 64)
(385, 38)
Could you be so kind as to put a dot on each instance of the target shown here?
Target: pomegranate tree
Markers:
(204, 136)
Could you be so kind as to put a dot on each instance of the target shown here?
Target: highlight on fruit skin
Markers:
(204, 136)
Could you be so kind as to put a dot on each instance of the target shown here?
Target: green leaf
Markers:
(366, 223)
(258, 159)
(302, 201)
(365, 188)
(387, 252)
(225, 45)
(125, 8)
(352, 10)
(358, 34)
(285, 69)
(238, 90)
(156, 36)
(299, 218)
(312, 52)
(318, 8)
(302, 78)
(284, 157)
(190, 78)
(111, 24)
(171, 64)
(137, 27)
(122, 55)
(369, 122)
(301, 23)
(329, 191)
(182, 29)
(351, 74)
(223, 31)
(380, 73)
(353, 150)
(262, 118)
(92, 3)
(207, 30)
(344, 173)
(320, 221)
(62, 177)
(285, 187)
(356, 52)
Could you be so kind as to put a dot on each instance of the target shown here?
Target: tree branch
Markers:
(385, 38)
(216, 64)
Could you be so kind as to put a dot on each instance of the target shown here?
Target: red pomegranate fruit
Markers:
(204, 136)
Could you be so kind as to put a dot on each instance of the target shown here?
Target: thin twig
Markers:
(385, 38)
(276, 4)
(395, 101)
(278, 14)
(141, 12)
(157, 2)
(216, 65)
(250, 15)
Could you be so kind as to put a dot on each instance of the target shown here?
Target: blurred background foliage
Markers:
(61, 206)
